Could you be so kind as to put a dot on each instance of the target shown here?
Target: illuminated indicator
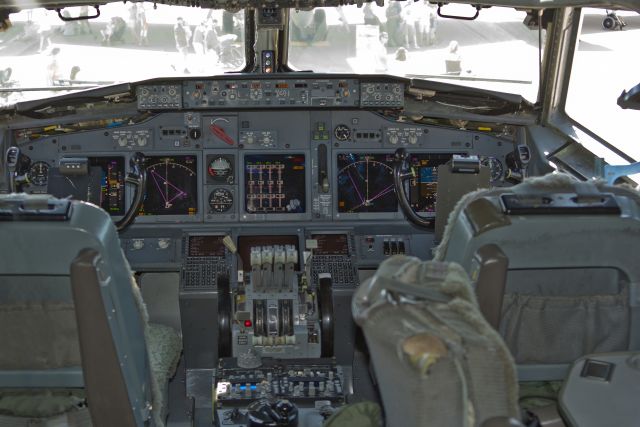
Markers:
(172, 186)
(365, 183)
(274, 183)
(247, 323)
(282, 85)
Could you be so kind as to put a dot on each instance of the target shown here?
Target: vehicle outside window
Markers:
(41, 53)
(496, 51)
(605, 64)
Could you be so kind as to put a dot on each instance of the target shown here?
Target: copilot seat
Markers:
(555, 267)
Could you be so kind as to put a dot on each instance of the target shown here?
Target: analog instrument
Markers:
(39, 173)
(495, 167)
(220, 169)
(220, 200)
(342, 132)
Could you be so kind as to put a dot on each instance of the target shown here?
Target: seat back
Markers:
(560, 253)
(56, 256)
(436, 360)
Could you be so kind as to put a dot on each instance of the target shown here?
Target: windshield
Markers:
(605, 64)
(41, 53)
(496, 51)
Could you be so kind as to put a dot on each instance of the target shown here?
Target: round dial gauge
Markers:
(220, 200)
(342, 132)
(495, 167)
(38, 173)
(220, 169)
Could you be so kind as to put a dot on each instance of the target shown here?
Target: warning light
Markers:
(247, 323)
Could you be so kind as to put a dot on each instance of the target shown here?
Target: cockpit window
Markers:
(605, 64)
(496, 51)
(42, 54)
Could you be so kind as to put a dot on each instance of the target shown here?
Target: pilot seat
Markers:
(73, 326)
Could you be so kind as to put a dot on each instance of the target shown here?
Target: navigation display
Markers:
(331, 244)
(423, 188)
(274, 183)
(206, 246)
(365, 183)
(172, 186)
(103, 185)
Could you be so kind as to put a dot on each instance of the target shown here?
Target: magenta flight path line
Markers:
(180, 192)
(355, 187)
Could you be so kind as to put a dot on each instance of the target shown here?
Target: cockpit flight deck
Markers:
(349, 246)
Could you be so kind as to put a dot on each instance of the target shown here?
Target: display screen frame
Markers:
(150, 219)
(376, 215)
(346, 251)
(261, 216)
(221, 250)
(448, 155)
(105, 157)
(397, 214)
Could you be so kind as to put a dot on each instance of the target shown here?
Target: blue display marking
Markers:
(427, 175)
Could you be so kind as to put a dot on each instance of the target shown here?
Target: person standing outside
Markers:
(143, 26)
(199, 39)
(182, 35)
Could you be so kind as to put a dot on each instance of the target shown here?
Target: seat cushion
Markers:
(164, 347)
(40, 403)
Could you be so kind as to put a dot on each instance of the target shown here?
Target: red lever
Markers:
(220, 133)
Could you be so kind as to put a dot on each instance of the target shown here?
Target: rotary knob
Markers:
(195, 133)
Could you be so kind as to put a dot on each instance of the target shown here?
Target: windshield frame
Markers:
(565, 36)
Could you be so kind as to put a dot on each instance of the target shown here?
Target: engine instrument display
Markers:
(365, 183)
(423, 187)
(274, 183)
(103, 185)
(172, 186)
(331, 244)
(205, 246)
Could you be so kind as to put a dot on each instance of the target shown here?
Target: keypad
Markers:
(202, 272)
(342, 271)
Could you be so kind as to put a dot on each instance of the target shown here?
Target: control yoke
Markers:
(138, 178)
(17, 166)
(400, 175)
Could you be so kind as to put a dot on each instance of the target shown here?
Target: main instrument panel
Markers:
(250, 150)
